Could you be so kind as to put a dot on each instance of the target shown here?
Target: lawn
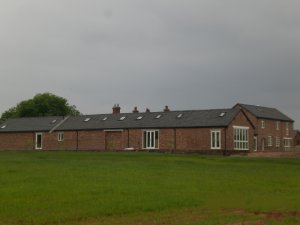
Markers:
(90, 188)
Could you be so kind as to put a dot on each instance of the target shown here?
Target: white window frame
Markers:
(215, 142)
(270, 144)
(287, 129)
(263, 125)
(287, 143)
(150, 139)
(277, 125)
(241, 138)
(60, 136)
(36, 141)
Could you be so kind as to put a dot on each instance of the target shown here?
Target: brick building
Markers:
(214, 131)
(296, 137)
(273, 129)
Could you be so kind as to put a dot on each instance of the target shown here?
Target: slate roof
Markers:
(188, 119)
(265, 112)
(35, 124)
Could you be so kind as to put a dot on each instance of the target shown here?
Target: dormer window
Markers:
(87, 119)
(122, 118)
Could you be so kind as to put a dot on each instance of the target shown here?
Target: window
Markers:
(179, 116)
(277, 142)
(277, 125)
(105, 118)
(222, 114)
(287, 143)
(215, 139)
(287, 128)
(38, 141)
(150, 139)
(4, 126)
(53, 121)
(139, 118)
(262, 124)
(158, 116)
(241, 138)
(60, 136)
(269, 141)
(87, 119)
(122, 118)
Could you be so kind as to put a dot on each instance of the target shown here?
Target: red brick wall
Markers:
(17, 141)
(50, 141)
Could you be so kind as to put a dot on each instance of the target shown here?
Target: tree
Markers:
(45, 104)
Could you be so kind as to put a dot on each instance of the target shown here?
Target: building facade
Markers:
(216, 131)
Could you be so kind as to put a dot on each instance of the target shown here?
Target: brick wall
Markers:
(17, 141)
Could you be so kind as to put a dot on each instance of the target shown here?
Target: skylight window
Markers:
(158, 116)
(4, 126)
(222, 114)
(53, 121)
(179, 116)
(105, 118)
(87, 119)
(139, 118)
(122, 118)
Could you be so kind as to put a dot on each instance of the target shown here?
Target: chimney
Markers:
(116, 109)
(147, 110)
(135, 110)
(166, 109)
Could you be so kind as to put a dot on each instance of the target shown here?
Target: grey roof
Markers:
(30, 124)
(265, 112)
(189, 118)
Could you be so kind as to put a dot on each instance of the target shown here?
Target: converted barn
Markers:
(210, 131)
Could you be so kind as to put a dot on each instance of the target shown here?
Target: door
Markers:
(38, 141)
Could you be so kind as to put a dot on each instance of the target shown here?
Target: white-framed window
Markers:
(263, 125)
(287, 128)
(150, 139)
(277, 125)
(277, 142)
(270, 141)
(241, 138)
(287, 143)
(39, 141)
(60, 136)
(215, 139)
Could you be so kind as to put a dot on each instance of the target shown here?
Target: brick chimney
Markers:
(166, 109)
(116, 109)
(135, 110)
(147, 110)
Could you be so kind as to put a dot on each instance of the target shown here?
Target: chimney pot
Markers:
(166, 109)
(135, 110)
(116, 109)
(147, 110)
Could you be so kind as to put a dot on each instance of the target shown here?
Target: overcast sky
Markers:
(188, 54)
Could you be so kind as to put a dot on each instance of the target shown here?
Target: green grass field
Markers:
(89, 188)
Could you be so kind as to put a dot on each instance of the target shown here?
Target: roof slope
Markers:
(151, 120)
(265, 112)
(191, 118)
(35, 124)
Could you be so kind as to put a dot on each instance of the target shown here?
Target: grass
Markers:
(146, 188)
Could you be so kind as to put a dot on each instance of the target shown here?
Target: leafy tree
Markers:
(45, 104)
